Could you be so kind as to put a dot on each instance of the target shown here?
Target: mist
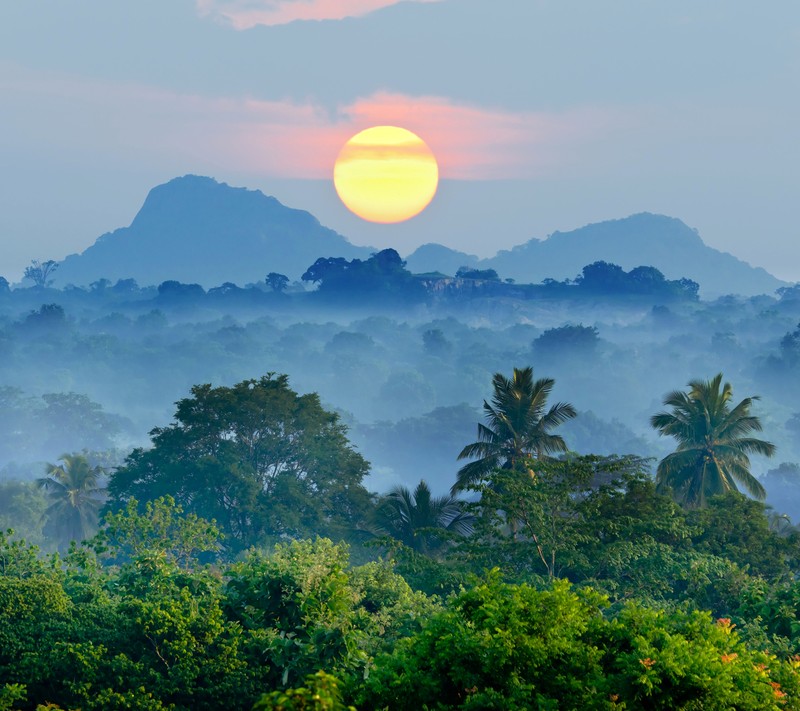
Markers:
(96, 368)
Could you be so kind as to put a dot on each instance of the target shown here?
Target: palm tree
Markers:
(517, 427)
(411, 517)
(75, 498)
(713, 443)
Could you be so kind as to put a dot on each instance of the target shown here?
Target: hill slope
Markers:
(644, 239)
(194, 229)
(436, 257)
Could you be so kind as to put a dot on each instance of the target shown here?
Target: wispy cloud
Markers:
(283, 139)
(470, 143)
(243, 14)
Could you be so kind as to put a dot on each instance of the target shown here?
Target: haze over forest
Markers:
(248, 430)
(180, 298)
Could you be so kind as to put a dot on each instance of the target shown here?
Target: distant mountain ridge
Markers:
(434, 257)
(643, 239)
(197, 230)
(194, 229)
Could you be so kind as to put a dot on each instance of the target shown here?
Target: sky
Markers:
(544, 115)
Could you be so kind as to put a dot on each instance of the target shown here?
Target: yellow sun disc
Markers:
(386, 174)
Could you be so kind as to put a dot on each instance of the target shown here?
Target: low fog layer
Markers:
(98, 368)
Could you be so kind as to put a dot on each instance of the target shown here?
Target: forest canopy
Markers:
(258, 458)
(247, 552)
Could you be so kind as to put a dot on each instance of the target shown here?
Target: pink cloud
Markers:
(469, 142)
(185, 132)
(478, 143)
(243, 14)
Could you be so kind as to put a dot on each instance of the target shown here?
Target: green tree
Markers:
(259, 459)
(714, 440)
(539, 526)
(768, 614)
(530, 526)
(738, 528)
(162, 528)
(435, 343)
(146, 635)
(517, 426)
(157, 630)
(500, 646)
(10, 694)
(75, 498)
(47, 318)
(469, 273)
(414, 518)
(298, 610)
(388, 608)
(320, 693)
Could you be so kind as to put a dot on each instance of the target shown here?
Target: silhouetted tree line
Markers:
(384, 278)
(606, 279)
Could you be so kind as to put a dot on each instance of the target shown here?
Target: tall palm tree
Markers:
(75, 498)
(411, 517)
(517, 426)
(714, 441)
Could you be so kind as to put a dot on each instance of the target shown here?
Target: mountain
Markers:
(644, 239)
(436, 257)
(194, 229)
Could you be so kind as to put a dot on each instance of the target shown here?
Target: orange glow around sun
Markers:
(386, 174)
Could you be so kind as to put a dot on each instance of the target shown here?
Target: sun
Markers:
(386, 174)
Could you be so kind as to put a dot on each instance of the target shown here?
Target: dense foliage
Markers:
(134, 620)
(559, 580)
(500, 646)
(257, 457)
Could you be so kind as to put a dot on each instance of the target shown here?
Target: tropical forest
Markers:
(377, 489)
(399, 355)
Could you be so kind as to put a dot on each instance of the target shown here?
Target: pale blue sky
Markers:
(545, 114)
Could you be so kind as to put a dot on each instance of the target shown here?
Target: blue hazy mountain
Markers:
(434, 257)
(194, 229)
(644, 239)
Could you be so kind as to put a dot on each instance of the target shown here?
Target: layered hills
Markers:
(643, 239)
(197, 230)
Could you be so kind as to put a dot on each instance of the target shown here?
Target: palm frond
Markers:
(712, 443)
(516, 426)
(557, 415)
(747, 481)
(472, 473)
